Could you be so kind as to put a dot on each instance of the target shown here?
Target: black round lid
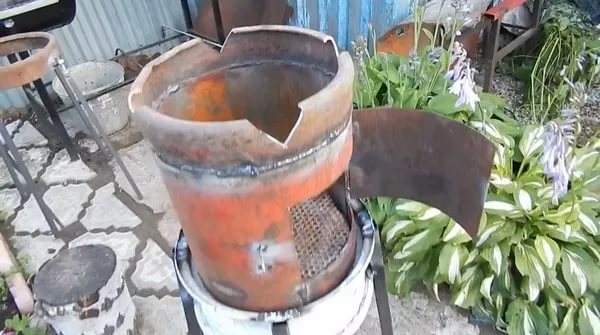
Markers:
(75, 275)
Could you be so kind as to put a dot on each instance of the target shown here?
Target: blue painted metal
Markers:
(101, 26)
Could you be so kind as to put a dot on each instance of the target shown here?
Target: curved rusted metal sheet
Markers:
(241, 136)
(32, 68)
(424, 157)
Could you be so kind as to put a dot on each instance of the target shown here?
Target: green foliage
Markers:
(21, 325)
(570, 47)
(533, 266)
(398, 81)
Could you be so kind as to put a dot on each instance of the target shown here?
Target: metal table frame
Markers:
(493, 22)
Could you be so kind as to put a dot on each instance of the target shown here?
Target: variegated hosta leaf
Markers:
(529, 264)
(501, 207)
(588, 321)
(392, 230)
(503, 159)
(429, 214)
(566, 213)
(492, 133)
(592, 182)
(436, 291)
(468, 292)
(502, 182)
(595, 251)
(586, 163)
(410, 208)
(524, 200)
(493, 255)
(590, 200)
(574, 274)
(495, 232)
(548, 250)
(567, 326)
(532, 141)
(419, 242)
(566, 233)
(531, 288)
(590, 223)
(455, 234)
(526, 319)
(590, 268)
(552, 312)
(486, 288)
(546, 192)
(452, 258)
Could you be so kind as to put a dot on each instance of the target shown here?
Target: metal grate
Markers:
(320, 234)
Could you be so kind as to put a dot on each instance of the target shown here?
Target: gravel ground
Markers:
(513, 91)
(590, 115)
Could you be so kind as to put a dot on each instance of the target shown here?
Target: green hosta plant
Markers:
(535, 264)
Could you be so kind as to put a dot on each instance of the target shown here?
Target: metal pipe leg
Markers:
(90, 120)
(381, 295)
(13, 170)
(218, 20)
(182, 252)
(12, 157)
(50, 110)
(491, 49)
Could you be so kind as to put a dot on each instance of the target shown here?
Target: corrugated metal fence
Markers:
(102, 26)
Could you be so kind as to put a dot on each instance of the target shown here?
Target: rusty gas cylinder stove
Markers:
(258, 146)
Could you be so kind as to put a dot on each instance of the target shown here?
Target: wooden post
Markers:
(82, 291)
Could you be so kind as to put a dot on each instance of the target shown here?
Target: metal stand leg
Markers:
(280, 329)
(490, 51)
(91, 122)
(50, 110)
(181, 252)
(381, 295)
(15, 165)
(218, 20)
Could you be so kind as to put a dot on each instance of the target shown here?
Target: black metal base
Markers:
(377, 267)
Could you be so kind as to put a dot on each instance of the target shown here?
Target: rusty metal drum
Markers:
(248, 141)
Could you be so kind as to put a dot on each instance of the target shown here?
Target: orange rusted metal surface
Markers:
(241, 136)
(32, 68)
(401, 39)
(497, 12)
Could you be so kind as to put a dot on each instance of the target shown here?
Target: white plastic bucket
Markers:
(91, 78)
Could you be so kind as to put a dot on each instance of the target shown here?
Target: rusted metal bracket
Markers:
(492, 21)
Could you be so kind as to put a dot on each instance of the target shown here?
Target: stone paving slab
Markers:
(10, 199)
(418, 313)
(34, 159)
(30, 219)
(108, 211)
(169, 226)
(28, 136)
(64, 170)
(159, 316)
(67, 201)
(140, 162)
(36, 250)
(12, 127)
(154, 270)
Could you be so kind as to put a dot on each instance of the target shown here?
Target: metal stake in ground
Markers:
(90, 120)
